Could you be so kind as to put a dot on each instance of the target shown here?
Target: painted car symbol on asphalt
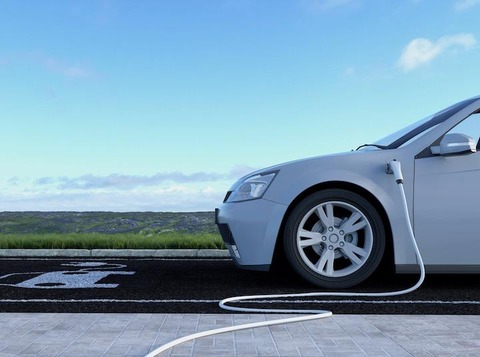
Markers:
(87, 277)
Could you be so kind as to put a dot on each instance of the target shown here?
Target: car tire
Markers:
(334, 238)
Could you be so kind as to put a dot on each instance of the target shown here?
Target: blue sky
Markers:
(161, 105)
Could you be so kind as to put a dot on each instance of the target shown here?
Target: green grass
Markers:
(169, 240)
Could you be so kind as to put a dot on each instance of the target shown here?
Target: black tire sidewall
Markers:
(339, 195)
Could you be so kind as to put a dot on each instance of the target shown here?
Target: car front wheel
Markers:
(334, 238)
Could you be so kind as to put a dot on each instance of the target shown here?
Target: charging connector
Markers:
(394, 167)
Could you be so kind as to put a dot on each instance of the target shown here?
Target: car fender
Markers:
(364, 171)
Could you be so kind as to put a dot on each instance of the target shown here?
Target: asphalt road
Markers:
(196, 286)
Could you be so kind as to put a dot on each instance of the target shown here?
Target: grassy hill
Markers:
(104, 230)
(106, 222)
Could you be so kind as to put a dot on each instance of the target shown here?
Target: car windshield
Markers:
(420, 127)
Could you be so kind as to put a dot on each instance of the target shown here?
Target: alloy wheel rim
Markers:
(334, 239)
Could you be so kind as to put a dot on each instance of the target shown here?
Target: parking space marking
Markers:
(466, 302)
(87, 277)
(184, 286)
(203, 301)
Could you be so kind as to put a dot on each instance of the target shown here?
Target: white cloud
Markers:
(128, 182)
(174, 191)
(421, 51)
(170, 199)
(462, 5)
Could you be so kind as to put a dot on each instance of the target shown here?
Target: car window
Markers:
(419, 135)
(414, 131)
(470, 126)
(400, 133)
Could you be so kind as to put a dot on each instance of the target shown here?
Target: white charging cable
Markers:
(393, 167)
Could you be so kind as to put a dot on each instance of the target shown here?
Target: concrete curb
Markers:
(116, 253)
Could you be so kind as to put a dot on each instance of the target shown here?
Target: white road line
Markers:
(132, 258)
(184, 301)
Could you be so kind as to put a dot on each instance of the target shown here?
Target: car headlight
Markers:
(251, 188)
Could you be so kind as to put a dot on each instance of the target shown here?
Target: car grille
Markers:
(226, 233)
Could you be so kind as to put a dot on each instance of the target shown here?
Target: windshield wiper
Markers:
(383, 147)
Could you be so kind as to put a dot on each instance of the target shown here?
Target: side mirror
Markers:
(454, 144)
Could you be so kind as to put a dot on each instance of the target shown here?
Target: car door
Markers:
(447, 204)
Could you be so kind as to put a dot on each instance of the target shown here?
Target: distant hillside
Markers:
(106, 222)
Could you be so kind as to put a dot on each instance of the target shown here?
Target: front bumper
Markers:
(250, 230)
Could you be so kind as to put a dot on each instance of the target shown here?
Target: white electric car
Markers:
(335, 217)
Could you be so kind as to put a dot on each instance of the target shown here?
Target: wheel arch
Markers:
(388, 261)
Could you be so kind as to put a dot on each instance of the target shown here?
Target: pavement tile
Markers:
(267, 351)
(309, 352)
(288, 350)
(378, 352)
(135, 334)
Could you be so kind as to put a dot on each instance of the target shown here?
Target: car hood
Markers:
(364, 168)
(336, 158)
